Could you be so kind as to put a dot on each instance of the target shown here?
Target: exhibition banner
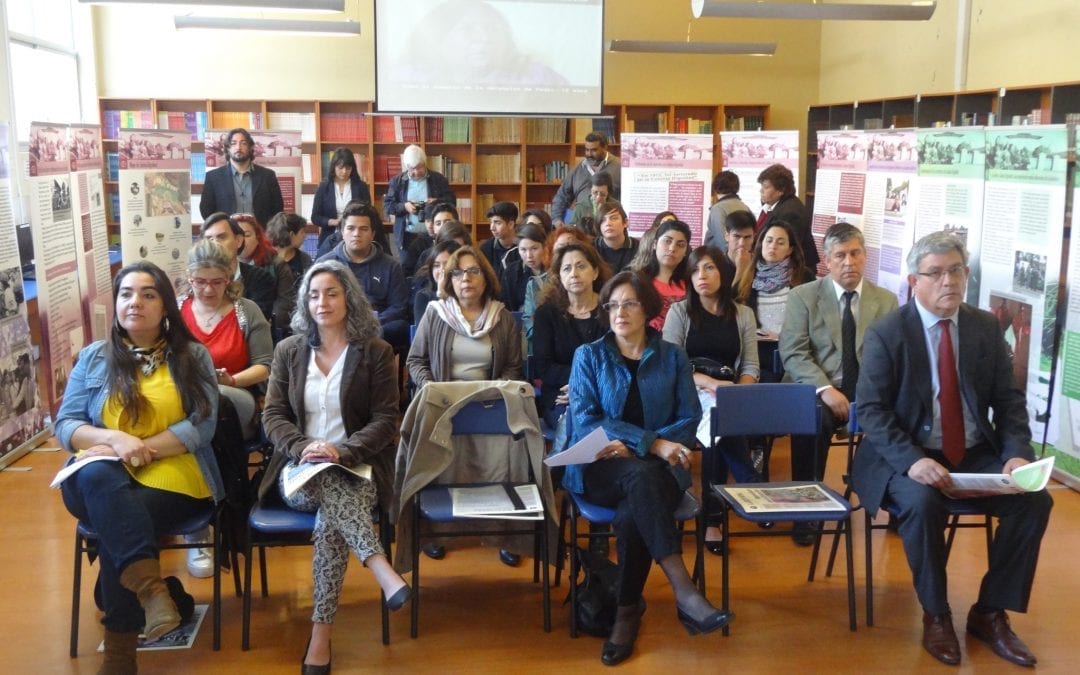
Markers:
(840, 186)
(21, 421)
(949, 191)
(667, 172)
(155, 199)
(746, 153)
(91, 232)
(281, 151)
(1022, 233)
(56, 263)
(889, 207)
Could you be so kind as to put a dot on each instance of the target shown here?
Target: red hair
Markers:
(264, 252)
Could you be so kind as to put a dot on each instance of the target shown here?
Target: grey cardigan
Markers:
(677, 325)
(431, 354)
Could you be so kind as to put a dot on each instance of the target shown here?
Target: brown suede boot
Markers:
(120, 654)
(143, 578)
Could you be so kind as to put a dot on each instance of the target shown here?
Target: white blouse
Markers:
(322, 401)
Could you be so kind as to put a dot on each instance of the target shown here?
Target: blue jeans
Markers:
(129, 519)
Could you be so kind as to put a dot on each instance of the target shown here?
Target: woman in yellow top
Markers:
(125, 400)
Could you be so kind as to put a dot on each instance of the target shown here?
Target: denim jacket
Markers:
(87, 391)
(599, 382)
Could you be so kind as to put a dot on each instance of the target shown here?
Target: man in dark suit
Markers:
(812, 344)
(931, 371)
(780, 203)
(241, 186)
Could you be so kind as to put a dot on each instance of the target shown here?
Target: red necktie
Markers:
(762, 217)
(952, 414)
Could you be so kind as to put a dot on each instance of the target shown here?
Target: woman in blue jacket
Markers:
(640, 389)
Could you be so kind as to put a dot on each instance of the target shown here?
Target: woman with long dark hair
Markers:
(667, 266)
(340, 186)
(147, 396)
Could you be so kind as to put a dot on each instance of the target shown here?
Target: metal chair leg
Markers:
(725, 563)
(76, 591)
(575, 565)
(869, 557)
(853, 621)
(414, 624)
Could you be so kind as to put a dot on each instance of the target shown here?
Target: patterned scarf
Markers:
(771, 277)
(148, 358)
(450, 312)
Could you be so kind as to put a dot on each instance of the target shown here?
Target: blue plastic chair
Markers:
(775, 410)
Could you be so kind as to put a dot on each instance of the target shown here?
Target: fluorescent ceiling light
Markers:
(273, 25)
(296, 5)
(916, 11)
(675, 47)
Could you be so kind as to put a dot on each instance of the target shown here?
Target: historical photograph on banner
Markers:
(91, 232)
(155, 199)
(889, 208)
(56, 264)
(20, 417)
(667, 172)
(840, 186)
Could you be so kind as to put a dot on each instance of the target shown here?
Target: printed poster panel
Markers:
(56, 263)
(21, 420)
(155, 199)
(1066, 417)
(949, 191)
(840, 186)
(667, 172)
(281, 151)
(91, 233)
(1023, 227)
(889, 208)
(747, 153)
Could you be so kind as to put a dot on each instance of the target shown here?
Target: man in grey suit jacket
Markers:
(811, 342)
(905, 456)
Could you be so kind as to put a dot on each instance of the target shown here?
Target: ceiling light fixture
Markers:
(339, 28)
(836, 11)
(291, 5)
(675, 47)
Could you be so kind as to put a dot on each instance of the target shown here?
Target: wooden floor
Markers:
(482, 617)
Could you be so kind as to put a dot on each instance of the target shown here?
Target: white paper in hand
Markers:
(582, 452)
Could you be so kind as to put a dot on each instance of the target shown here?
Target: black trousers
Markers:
(644, 494)
(1014, 553)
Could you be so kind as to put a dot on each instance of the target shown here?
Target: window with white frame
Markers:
(44, 63)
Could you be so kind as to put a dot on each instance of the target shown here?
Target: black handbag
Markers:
(712, 368)
(597, 593)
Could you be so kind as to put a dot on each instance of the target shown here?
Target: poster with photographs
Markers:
(747, 153)
(1020, 257)
(889, 207)
(55, 260)
(281, 151)
(1065, 420)
(667, 172)
(840, 184)
(21, 420)
(91, 232)
(155, 199)
(949, 191)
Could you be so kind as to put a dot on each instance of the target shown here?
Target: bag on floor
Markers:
(597, 593)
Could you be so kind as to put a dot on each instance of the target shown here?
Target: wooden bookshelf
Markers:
(487, 159)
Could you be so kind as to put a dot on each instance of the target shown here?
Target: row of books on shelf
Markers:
(497, 130)
(304, 122)
(193, 122)
(498, 168)
(228, 119)
(115, 120)
(584, 126)
(455, 171)
(744, 123)
(692, 125)
(386, 167)
(446, 129)
(395, 129)
(550, 172)
(545, 130)
(344, 128)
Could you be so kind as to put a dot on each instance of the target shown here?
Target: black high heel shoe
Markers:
(714, 621)
(612, 654)
(308, 669)
(399, 598)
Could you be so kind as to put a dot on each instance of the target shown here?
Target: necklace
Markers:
(205, 322)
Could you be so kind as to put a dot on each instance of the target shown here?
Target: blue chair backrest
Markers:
(765, 410)
(853, 425)
(482, 417)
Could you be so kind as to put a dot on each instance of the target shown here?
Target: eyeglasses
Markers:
(937, 276)
(200, 283)
(471, 271)
(628, 305)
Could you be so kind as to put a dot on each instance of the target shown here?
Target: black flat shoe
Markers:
(399, 598)
(434, 551)
(714, 621)
(308, 669)
(715, 547)
(612, 654)
(509, 559)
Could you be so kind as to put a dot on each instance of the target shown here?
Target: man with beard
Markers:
(241, 186)
(577, 184)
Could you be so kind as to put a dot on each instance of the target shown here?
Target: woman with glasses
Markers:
(666, 267)
(640, 390)
(467, 334)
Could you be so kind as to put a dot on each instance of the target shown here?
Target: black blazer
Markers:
(895, 406)
(397, 194)
(324, 206)
(792, 211)
(218, 194)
